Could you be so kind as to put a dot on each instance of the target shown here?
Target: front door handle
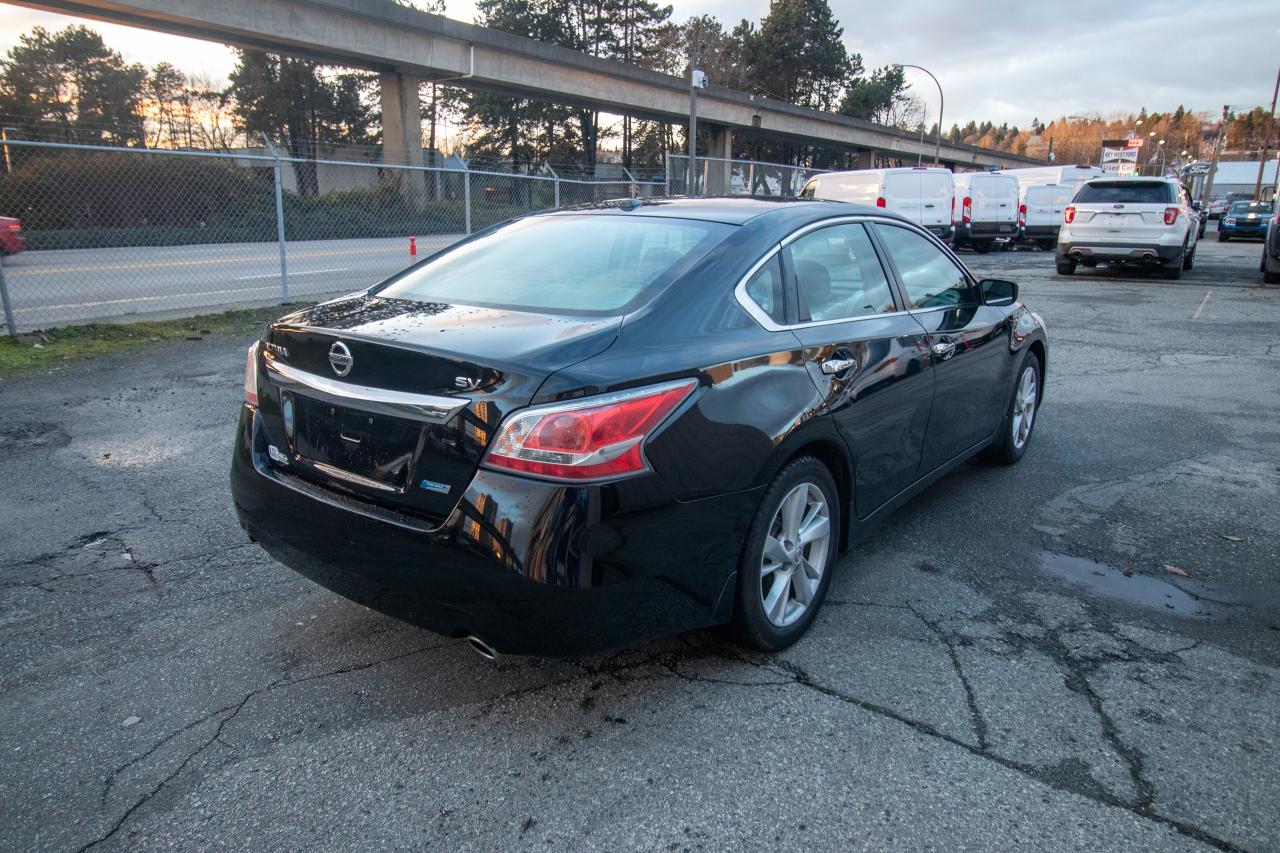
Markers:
(838, 365)
(944, 349)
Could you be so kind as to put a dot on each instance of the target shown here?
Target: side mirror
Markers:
(997, 291)
(1196, 206)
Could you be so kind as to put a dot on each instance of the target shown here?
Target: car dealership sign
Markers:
(1120, 156)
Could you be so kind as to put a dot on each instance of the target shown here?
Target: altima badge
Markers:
(340, 358)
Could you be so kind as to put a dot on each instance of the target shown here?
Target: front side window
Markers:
(592, 264)
(929, 277)
(838, 275)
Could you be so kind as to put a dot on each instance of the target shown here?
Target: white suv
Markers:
(1144, 221)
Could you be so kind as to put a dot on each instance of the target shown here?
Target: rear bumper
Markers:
(527, 566)
(970, 231)
(1041, 232)
(1137, 253)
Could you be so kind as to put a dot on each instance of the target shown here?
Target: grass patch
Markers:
(59, 346)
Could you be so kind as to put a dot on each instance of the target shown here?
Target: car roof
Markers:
(728, 210)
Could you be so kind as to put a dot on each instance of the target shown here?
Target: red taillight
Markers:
(966, 210)
(880, 201)
(251, 376)
(1069, 214)
(1022, 214)
(1170, 215)
(593, 439)
(15, 226)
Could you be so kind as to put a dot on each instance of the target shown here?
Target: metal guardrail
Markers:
(118, 233)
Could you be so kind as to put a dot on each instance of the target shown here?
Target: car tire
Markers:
(982, 247)
(1222, 238)
(1045, 245)
(1269, 277)
(768, 617)
(1066, 266)
(1020, 416)
(1189, 259)
(1173, 270)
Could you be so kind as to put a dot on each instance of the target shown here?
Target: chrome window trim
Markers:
(397, 403)
(760, 316)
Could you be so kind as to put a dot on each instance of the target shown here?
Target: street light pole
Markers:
(1266, 139)
(937, 145)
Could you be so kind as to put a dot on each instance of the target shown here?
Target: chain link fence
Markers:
(717, 176)
(119, 233)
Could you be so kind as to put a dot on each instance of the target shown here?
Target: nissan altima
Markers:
(590, 427)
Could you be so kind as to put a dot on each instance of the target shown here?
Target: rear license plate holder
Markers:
(372, 446)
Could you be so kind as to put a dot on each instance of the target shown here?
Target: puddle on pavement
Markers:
(1138, 589)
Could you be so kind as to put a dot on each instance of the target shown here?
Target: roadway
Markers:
(53, 288)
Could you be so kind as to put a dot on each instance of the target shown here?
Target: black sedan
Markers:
(584, 428)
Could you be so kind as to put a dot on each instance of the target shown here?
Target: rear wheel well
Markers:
(834, 457)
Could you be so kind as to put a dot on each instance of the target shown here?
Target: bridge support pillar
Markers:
(719, 171)
(865, 160)
(402, 133)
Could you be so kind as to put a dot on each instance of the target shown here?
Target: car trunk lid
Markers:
(395, 401)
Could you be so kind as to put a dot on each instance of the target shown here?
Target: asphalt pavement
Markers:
(59, 287)
(1079, 652)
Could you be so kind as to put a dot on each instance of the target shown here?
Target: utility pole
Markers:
(1217, 152)
(697, 80)
(1266, 138)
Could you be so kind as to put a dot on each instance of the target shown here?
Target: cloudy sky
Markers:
(1003, 61)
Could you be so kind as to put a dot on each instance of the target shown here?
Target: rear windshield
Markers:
(1250, 207)
(598, 265)
(1125, 192)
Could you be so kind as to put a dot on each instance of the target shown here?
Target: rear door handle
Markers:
(838, 365)
(944, 349)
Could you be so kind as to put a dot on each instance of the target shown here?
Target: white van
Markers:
(986, 210)
(1040, 213)
(1063, 176)
(923, 194)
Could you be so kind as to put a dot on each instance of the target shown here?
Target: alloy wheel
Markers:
(795, 554)
(1024, 407)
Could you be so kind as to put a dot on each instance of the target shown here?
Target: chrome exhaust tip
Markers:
(482, 648)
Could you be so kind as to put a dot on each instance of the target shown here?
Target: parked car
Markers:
(584, 428)
(1131, 220)
(924, 195)
(1216, 208)
(1270, 266)
(12, 240)
(1040, 213)
(1245, 219)
(986, 210)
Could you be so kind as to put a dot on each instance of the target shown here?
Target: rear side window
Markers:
(838, 275)
(599, 265)
(1125, 192)
(765, 289)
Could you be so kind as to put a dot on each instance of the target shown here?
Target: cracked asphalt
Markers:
(1009, 662)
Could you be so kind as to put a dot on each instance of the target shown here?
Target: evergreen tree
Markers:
(72, 84)
(304, 103)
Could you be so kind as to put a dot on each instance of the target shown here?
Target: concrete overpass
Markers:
(407, 46)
